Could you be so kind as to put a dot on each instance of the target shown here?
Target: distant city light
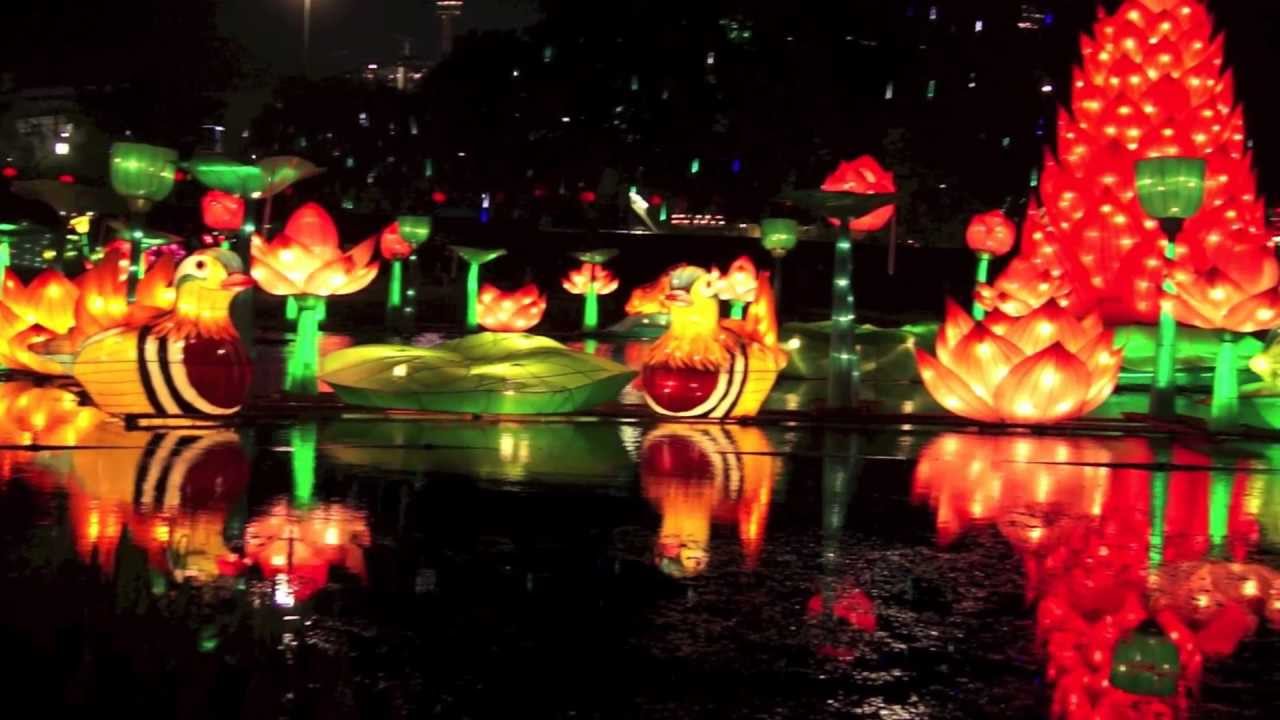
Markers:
(888, 91)
(977, 26)
(565, 118)
(933, 12)
(698, 220)
(61, 148)
(931, 90)
(1046, 88)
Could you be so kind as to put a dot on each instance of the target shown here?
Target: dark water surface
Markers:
(362, 568)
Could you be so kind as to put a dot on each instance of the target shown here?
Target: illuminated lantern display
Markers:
(142, 175)
(738, 286)
(864, 176)
(515, 311)
(398, 242)
(591, 281)
(1152, 84)
(222, 211)
(307, 263)
(779, 237)
(989, 235)
(698, 475)
(1021, 288)
(31, 415)
(703, 367)
(487, 373)
(475, 257)
(858, 198)
(650, 298)
(1042, 368)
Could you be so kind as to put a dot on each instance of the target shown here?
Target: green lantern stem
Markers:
(736, 309)
(291, 308)
(1224, 410)
(591, 308)
(395, 293)
(473, 295)
(842, 379)
(4, 259)
(302, 438)
(300, 372)
(135, 260)
(1164, 390)
(980, 278)
(1159, 499)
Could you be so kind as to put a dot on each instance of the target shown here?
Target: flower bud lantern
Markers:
(222, 211)
(475, 257)
(515, 311)
(591, 280)
(989, 235)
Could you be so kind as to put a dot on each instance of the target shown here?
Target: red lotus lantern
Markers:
(864, 176)
(991, 233)
(515, 311)
(222, 210)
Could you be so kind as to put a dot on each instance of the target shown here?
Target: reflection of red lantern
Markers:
(863, 176)
(222, 210)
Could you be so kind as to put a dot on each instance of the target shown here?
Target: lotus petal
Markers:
(952, 392)
(1049, 386)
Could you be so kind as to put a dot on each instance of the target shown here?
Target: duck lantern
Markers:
(707, 367)
(173, 351)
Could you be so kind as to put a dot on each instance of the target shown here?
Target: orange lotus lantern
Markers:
(515, 311)
(31, 415)
(1021, 288)
(222, 211)
(49, 299)
(738, 286)
(307, 263)
(1042, 368)
(863, 176)
(590, 280)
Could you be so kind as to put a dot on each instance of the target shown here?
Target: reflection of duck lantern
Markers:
(697, 474)
(174, 352)
(706, 367)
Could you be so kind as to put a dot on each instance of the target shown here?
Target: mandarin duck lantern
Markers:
(143, 175)
(174, 351)
(591, 280)
(858, 198)
(475, 257)
(989, 235)
(705, 367)
(1043, 368)
(514, 311)
(306, 262)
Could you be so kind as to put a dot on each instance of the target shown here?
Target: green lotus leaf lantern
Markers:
(227, 175)
(1171, 187)
(1146, 663)
(284, 170)
(142, 174)
(596, 257)
(779, 235)
(415, 229)
(475, 257)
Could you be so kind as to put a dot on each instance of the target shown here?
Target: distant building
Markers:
(447, 11)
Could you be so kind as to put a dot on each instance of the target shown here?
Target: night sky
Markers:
(346, 33)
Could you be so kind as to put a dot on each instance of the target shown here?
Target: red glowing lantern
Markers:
(439, 197)
(392, 245)
(67, 179)
(1152, 86)
(515, 311)
(10, 172)
(863, 176)
(222, 211)
(588, 197)
(991, 233)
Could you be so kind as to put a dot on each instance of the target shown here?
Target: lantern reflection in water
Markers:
(1121, 563)
(699, 474)
(295, 549)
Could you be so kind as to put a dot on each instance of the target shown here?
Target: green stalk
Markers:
(984, 267)
(1159, 498)
(591, 310)
(1164, 389)
(395, 294)
(304, 361)
(842, 378)
(291, 308)
(1220, 485)
(473, 295)
(736, 309)
(1224, 410)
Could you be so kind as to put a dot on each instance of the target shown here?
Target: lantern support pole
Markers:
(1224, 409)
(591, 307)
(395, 294)
(1159, 499)
(1164, 388)
(302, 461)
(473, 293)
(980, 278)
(737, 309)
(842, 377)
(304, 359)
(777, 278)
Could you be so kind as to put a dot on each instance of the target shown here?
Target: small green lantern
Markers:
(227, 175)
(1171, 190)
(142, 174)
(778, 235)
(1145, 662)
(1172, 187)
(415, 229)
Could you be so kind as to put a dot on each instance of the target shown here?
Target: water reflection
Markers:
(1138, 575)
(697, 474)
